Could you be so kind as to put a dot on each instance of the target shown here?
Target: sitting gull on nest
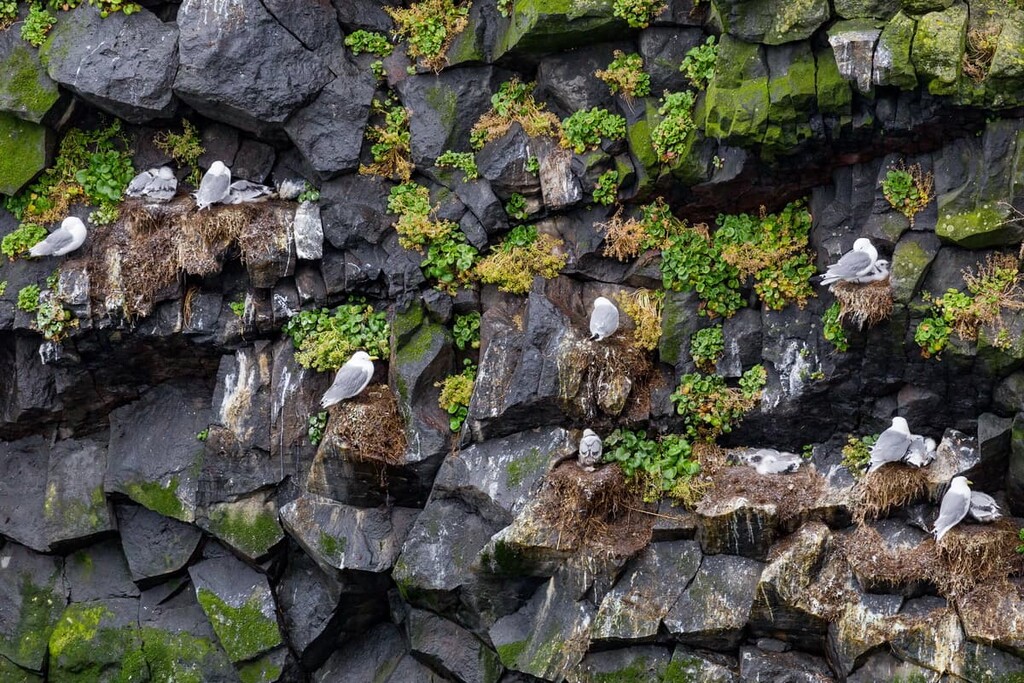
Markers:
(351, 379)
(854, 264)
(892, 444)
(158, 184)
(214, 186)
(604, 320)
(955, 505)
(921, 451)
(984, 507)
(244, 192)
(64, 240)
(590, 450)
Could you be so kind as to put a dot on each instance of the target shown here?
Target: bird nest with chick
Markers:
(145, 251)
(794, 495)
(867, 304)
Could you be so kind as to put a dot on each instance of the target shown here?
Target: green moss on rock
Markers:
(938, 48)
(549, 25)
(892, 64)
(245, 632)
(531, 463)
(40, 608)
(260, 671)
(24, 146)
(770, 22)
(25, 90)
(509, 653)
(983, 227)
(791, 94)
(737, 102)
(88, 647)
(251, 527)
(160, 498)
(831, 89)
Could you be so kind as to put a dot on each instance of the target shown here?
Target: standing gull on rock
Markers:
(590, 450)
(64, 240)
(892, 444)
(158, 184)
(955, 505)
(984, 507)
(604, 320)
(351, 379)
(854, 264)
(214, 186)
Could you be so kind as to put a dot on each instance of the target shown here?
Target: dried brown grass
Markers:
(878, 565)
(624, 238)
(979, 51)
(867, 304)
(792, 494)
(369, 427)
(887, 488)
(975, 556)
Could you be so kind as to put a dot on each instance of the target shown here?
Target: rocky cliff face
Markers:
(165, 516)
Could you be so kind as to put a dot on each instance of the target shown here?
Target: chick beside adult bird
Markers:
(590, 450)
(351, 379)
(69, 236)
(214, 187)
(604, 319)
(857, 263)
(984, 507)
(955, 506)
(247, 192)
(892, 444)
(157, 184)
(921, 451)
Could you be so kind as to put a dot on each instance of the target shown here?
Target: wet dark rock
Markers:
(995, 436)
(23, 476)
(714, 609)
(240, 66)
(503, 163)
(451, 649)
(567, 79)
(29, 392)
(154, 545)
(354, 210)
(99, 572)
(76, 507)
(122, 63)
(253, 161)
(34, 592)
(797, 667)
(648, 662)
(860, 629)
(663, 50)
(368, 15)
(308, 599)
(373, 656)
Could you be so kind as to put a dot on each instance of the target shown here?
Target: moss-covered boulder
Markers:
(892, 54)
(918, 7)
(866, 9)
(97, 642)
(26, 146)
(910, 261)
(737, 98)
(547, 25)
(249, 525)
(1004, 81)
(25, 90)
(938, 48)
(33, 592)
(792, 92)
(831, 89)
(75, 506)
(772, 23)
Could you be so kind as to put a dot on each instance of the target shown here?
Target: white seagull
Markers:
(351, 379)
(245, 191)
(892, 444)
(214, 186)
(955, 505)
(590, 450)
(64, 240)
(857, 263)
(984, 507)
(158, 184)
(604, 319)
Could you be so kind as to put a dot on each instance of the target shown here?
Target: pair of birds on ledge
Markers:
(160, 185)
(897, 445)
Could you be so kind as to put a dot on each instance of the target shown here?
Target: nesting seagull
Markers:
(921, 451)
(771, 461)
(214, 186)
(854, 264)
(64, 240)
(158, 184)
(955, 505)
(604, 320)
(245, 192)
(351, 379)
(879, 272)
(590, 450)
(984, 507)
(892, 444)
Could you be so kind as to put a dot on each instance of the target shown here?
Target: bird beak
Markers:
(970, 483)
(374, 358)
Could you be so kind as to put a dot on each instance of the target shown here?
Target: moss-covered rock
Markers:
(33, 593)
(892, 54)
(918, 7)
(249, 525)
(910, 261)
(737, 99)
(861, 9)
(25, 146)
(96, 642)
(792, 91)
(832, 90)
(25, 90)
(12, 673)
(245, 630)
(938, 48)
(984, 226)
(546, 25)
(772, 23)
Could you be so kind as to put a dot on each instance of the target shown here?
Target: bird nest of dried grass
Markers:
(888, 488)
(881, 567)
(794, 495)
(596, 510)
(368, 427)
(610, 377)
(867, 304)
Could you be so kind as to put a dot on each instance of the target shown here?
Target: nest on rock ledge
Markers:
(368, 427)
(862, 305)
(140, 257)
(793, 495)
(888, 488)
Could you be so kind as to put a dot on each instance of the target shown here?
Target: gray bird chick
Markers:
(247, 192)
(590, 450)
(984, 507)
(921, 451)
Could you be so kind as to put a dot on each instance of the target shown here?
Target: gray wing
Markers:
(212, 189)
(162, 189)
(890, 447)
(54, 242)
(139, 183)
(953, 509)
(591, 448)
(350, 380)
(984, 507)
(242, 191)
(852, 263)
(604, 321)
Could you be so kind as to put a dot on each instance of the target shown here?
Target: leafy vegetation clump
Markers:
(521, 255)
(37, 24)
(706, 347)
(692, 260)
(91, 166)
(515, 207)
(638, 13)
(310, 194)
(369, 41)
(429, 27)
(28, 299)
(326, 339)
(467, 331)
(505, 7)
(463, 161)
(21, 240)
(908, 189)
(3, 287)
(628, 238)
(185, 148)
(832, 328)
(514, 103)
(997, 285)
(391, 139)
(108, 7)
(626, 75)
(710, 407)
(449, 262)
(8, 13)
(699, 63)
(583, 130)
(857, 454)
(660, 466)
(644, 308)
(607, 188)
(53, 321)
(238, 306)
(456, 392)
(669, 138)
(317, 427)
